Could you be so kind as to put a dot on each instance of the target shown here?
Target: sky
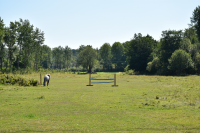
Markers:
(74, 23)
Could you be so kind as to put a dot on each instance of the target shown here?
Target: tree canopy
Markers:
(180, 61)
(195, 20)
(87, 58)
(106, 56)
(22, 46)
(139, 50)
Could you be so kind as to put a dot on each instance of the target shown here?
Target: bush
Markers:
(11, 79)
(153, 66)
(126, 68)
(180, 61)
(131, 72)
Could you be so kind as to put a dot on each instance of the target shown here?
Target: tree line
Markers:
(177, 51)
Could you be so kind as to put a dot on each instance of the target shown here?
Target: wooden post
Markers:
(89, 80)
(114, 81)
(40, 79)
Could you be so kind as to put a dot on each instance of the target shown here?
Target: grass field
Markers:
(139, 104)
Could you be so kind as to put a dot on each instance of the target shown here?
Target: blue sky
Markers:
(95, 22)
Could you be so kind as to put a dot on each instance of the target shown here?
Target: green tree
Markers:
(6, 58)
(193, 50)
(190, 33)
(74, 61)
(67, 56)
(81, 48)
(195, 20)
(184, 44)
(26, 41)
(138, 52)
(21, 29)
(2, 31)
(2, 46)
(118, 55)
(38, 40)
(10, 40)
(58, 55)
(180, 61)
(29, 42)
(106, 56)
(87, 58)
(170, 42)
(197, 63)
(153, 66)
(46, 58)
(55, 53)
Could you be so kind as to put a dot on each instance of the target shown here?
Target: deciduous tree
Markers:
(195, 20)
(67, 56)
(2, 45)
(10, 40)
(180, 61)
(87, 58)
(106, 56)
(118, 54)
(138, 52)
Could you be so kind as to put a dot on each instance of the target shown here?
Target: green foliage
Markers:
(87, 58)
(126, 68)
(21, 46)
(154, 65)
(180, 61)
(58, 55)
(2, 32)
(67, 56)
(2, 45)
(195, 20)
(184, 44)
(190, 34)
(197, 62)
(10, 40)
(33, 82)
(130, 72)
(11, 79)
(139, 50)
(118, 55)
(170, 42)
(106, 56)
(193, 50)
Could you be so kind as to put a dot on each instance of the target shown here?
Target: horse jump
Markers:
(102, 79)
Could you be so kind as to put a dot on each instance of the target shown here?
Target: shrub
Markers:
(33, 82)
(126, 68)
(11, 79)
(180, 61)
(131, 72)
(154, 65)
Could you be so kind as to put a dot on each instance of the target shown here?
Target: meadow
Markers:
(140, 103)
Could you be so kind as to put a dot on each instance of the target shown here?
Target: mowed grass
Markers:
(138, 104)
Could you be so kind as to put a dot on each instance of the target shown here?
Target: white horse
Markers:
(46, 79)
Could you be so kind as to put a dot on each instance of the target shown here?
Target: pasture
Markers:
(139, 104)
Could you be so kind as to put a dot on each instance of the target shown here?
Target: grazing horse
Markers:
(46, 79)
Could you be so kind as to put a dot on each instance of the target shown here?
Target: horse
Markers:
(46, 79)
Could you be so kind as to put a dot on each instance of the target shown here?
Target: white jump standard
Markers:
(102, 79)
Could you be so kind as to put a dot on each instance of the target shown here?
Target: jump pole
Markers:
(40, 79)
(89, 80)
(114, 81)
(102, 79)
